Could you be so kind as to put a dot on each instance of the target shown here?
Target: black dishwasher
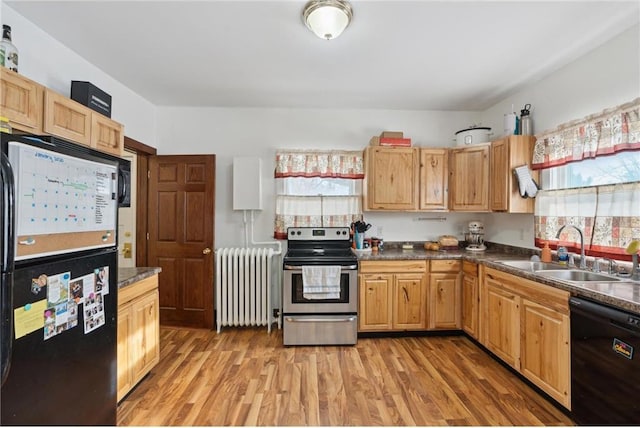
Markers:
(605, 369)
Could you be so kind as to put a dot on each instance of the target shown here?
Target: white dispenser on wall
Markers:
(247, 183)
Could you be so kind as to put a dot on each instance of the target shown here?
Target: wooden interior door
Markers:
(181, 236)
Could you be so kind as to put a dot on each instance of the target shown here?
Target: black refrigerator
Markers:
(59, 283)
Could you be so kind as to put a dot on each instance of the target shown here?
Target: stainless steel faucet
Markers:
(583, 259)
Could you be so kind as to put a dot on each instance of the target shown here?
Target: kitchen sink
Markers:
(576, 275)
(530, 266)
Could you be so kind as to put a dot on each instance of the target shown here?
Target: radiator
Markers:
(243, 287)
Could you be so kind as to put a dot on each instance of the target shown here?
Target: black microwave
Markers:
(124, 183)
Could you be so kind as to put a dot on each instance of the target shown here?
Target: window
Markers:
(623, 167)
(317, 189)
(591, 179)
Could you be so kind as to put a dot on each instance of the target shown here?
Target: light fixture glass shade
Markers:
(327, 18)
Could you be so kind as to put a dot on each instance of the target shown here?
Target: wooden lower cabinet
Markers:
(502, 323)
(545, 349)
(393, 295)
(444, 295)
(527, 325)
(409, 301)
(470, 299)
(138, 346)
(375, 302)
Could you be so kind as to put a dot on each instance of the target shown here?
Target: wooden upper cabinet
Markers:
(21, 101)
(66, 118)
(469, 178)
(106, 135)
(434, 179)
(507, 154)
(392, 178)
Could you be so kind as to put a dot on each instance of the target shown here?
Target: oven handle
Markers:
(324, 319)
(298, 268)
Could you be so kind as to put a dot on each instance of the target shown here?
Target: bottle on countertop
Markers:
(545, 255)
(526, 125)
(563, 256)
(8, 51)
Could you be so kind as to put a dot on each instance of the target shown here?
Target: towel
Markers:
(528, 187)
(321, 282)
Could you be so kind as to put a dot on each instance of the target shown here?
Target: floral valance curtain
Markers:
(609, 217)
(608, 132)
(327, 163)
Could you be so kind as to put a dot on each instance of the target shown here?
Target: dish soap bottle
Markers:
(563, 255)
(8, 51)
(545, 256)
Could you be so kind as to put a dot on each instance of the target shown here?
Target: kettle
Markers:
(526, 125)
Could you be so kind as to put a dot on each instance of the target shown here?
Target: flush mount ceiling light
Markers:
(327, 18)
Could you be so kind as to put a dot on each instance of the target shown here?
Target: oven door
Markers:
(294, 301)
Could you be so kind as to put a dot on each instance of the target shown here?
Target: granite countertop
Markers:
(623, 294)
(128, 276)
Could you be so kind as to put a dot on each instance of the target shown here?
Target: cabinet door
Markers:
(375, 302)
(469, 178)
(106, 135)
(409, 301)
(501, 310)
(434, 179)
(124, 350)
(392, 178)
(470, 304)
(500, 175)
(21, 101)
(444, 301)
(147, 334)
(66, 118)
(507, 154)
(545, 354)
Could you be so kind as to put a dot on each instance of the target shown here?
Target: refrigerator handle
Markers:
(8, 215)
(8, 253)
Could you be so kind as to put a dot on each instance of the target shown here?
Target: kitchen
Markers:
(556, 99)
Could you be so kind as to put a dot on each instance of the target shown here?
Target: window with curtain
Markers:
(317, 189)
(590, 173)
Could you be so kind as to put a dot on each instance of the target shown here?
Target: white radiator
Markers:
(243, 287)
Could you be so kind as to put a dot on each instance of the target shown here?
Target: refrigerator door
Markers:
(7, 244)
(66, 198)
(63, 370)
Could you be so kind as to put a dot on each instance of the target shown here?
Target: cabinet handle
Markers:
(406, 295)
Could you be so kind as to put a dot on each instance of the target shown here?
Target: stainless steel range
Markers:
(320, 295)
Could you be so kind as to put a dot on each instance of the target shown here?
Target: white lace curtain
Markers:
(609, 217)
(317, 210)
(605, 133)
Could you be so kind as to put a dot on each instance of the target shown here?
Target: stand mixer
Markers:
(475, 236)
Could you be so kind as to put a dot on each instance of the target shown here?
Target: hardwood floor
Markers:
(246, 377)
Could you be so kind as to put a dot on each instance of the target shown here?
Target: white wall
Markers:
(259, 132)
(52, 64)
(603, 78)
(606, 77)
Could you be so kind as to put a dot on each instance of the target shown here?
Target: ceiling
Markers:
(414, 55)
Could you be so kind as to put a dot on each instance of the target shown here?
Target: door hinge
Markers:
(147, 236)
(148, 175)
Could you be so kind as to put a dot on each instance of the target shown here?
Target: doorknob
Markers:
(206, 251)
